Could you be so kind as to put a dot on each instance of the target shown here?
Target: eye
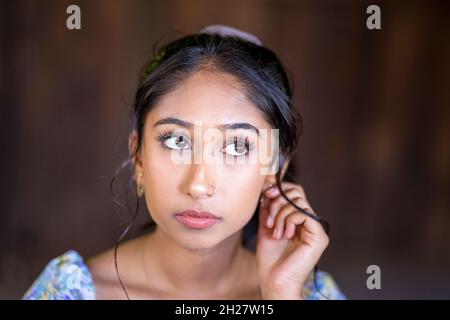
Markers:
(238, 147)
(175, 141)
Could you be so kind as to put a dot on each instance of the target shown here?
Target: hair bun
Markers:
(224, 31)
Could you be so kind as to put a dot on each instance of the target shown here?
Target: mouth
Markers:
(197, 219)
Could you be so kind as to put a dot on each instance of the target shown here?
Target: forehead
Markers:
(211, 98)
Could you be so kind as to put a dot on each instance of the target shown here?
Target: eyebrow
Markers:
(190, 125)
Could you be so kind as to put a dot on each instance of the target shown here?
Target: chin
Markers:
(199, 242)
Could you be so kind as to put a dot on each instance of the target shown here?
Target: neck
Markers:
(205, 271)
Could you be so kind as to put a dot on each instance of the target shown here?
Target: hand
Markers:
(289, 243)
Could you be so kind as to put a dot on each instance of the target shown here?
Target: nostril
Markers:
(201, 190)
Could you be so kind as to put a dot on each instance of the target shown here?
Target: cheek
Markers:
(161, 178)
(241, 188)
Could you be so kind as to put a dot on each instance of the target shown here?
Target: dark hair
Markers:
(263, 79)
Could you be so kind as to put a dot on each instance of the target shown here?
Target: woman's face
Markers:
(210, 100)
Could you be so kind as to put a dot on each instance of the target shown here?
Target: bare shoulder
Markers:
(103, 274)
(103, 270)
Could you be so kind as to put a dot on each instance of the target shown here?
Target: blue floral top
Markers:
(67, 277)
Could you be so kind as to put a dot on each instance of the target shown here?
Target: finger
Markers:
(271, 192)
(279, 227)
(280, 223)
(274, 191)
(290, 226)
(295, 185)
(312, 231)
(278, 202)
(290, 229)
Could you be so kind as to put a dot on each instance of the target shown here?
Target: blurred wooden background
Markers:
(374, 158)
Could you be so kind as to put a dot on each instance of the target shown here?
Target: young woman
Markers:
(224, 82)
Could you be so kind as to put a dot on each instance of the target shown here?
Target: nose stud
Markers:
(213, 190)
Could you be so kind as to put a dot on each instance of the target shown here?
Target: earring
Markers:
(139, 186)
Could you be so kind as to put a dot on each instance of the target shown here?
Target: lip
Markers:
(195, 219)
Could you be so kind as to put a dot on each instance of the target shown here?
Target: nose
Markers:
(199, 183)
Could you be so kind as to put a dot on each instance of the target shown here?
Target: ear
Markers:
(132, 145)
(271, 180)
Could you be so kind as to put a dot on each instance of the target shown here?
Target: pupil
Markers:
(180, 141)
(240, 147)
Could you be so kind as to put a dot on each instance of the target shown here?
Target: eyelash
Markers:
(163, 136)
